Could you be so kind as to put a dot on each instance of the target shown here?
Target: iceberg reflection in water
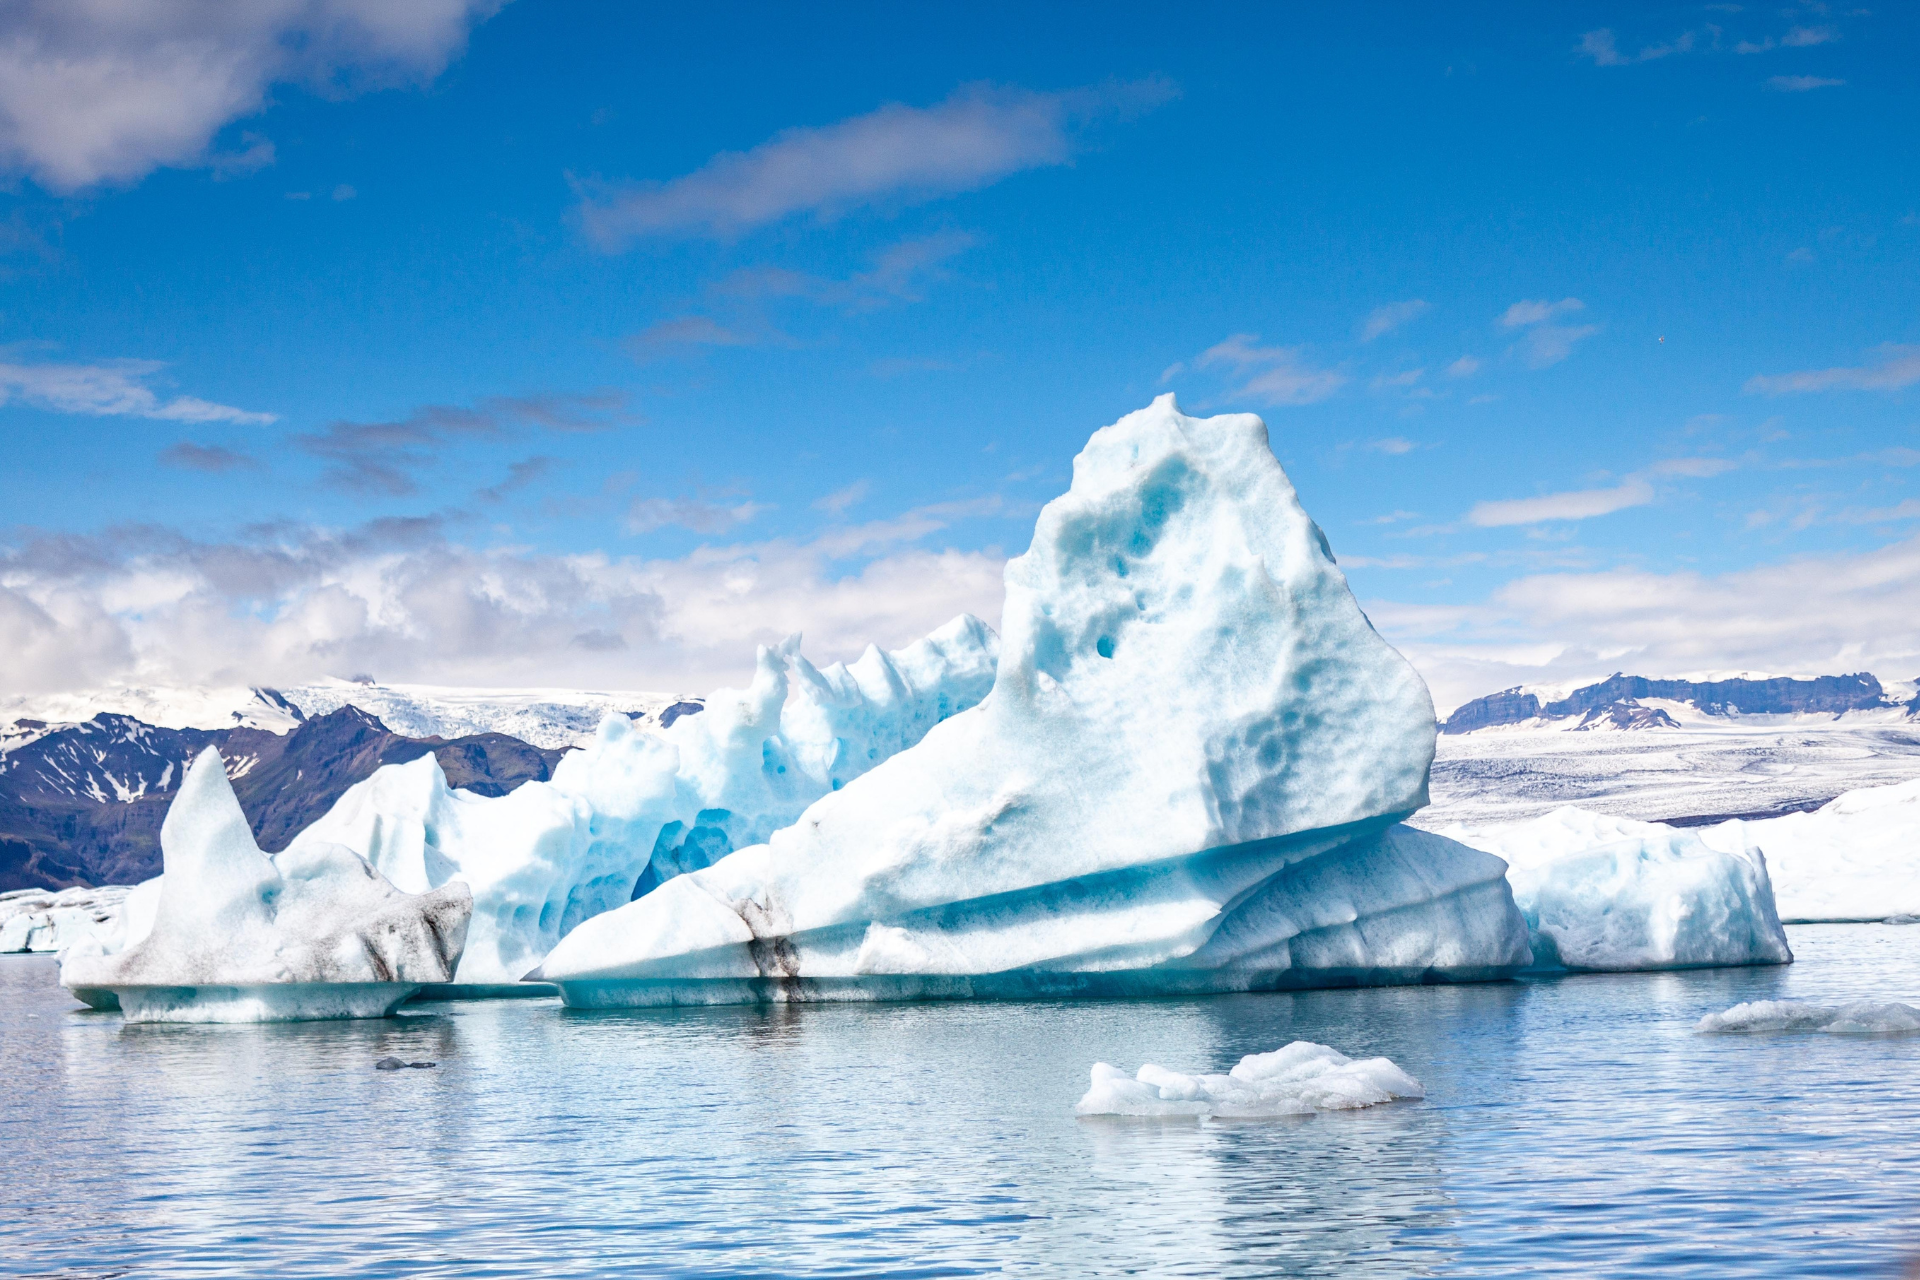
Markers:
(1573, 1126)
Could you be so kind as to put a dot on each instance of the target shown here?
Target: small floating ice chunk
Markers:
(1298, 1080)
(1862, 1017)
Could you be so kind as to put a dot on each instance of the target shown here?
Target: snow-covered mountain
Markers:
(83, 803)
(546, 718)
(1623, 702)
(1682, 750)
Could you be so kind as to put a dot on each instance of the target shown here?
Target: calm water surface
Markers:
(1576, 1127)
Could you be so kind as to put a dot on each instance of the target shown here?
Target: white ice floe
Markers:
(1861, 1017)
(236, 936)
(1186, 777)
(1855, 858)
(1295, 1081)
(635, 809)
(49, 920)
(1602, 893)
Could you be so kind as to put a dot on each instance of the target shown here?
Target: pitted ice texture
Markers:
(1186, 774)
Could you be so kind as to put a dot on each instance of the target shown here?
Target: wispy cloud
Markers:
(895, 155)
(1545, 340)
(1393, 445)
(111, 389)
(96, 93)
(1464, 367)
(210, 458)
(1801, 84)
(694, 331)
(837, 502)
(1577, 505)
(1899, 367)
(701, 515)
(1274, 375)
(1384, 320)
(901, 273)
(523, 474)
(1604, 49)
(383, 457)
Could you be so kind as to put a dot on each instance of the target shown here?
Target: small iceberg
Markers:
(1604, 894)
(1860, 1018)
(228, 934)
(1298, 1080)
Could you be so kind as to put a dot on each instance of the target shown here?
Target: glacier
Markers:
(1608, 894)
(1297, 1080)
(1856, 858)
(634, 809)
(1190, 775)
(228, 934)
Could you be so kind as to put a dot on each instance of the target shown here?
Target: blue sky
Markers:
(593, 343)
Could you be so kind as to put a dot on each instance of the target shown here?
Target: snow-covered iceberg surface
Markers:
(1298, 1080)
(49, 920)
(1855, 858)
(633, 809)
(1187, 777)
(231, 935)
(1861, 1017)
(1602, 893)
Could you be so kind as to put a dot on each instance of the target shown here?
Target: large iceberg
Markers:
(231, 935)
(1298, 1080)
(1855, 858)
(1602, 893)
(1187, 777)
(633, 810)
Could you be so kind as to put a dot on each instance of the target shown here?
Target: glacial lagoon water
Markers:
(1572, 1127)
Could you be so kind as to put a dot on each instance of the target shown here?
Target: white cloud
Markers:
(94, 91)
(1545, 342)
(403, 601)
(1818, 615)
(1577, 505)
(1393, 444)
(1386, 319)
(1464, 367)
(1802, 84)
(839, 500)
(111, 389)
(894, 155)
(1275, 375)
(1604, 49)
(648, 514)
(1899, 367)
(1696, 468)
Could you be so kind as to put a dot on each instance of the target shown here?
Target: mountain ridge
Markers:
(1620, 701)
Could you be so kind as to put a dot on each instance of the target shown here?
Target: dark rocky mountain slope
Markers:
(82, 804)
